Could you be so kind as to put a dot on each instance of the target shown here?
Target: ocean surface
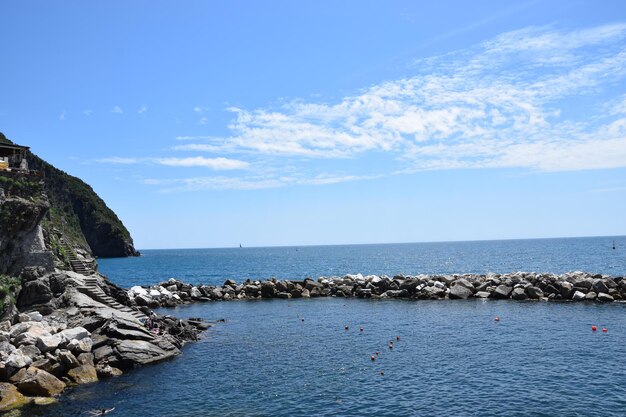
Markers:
(452, 359)
(214, 266)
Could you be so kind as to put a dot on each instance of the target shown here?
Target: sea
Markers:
(450, 358)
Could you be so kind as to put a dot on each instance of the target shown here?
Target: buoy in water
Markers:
(604, 330)
(346, 327)
(382, 372)
(497, 318)
(594, 328)
(302, 319)
(373, 357)
(390, 345)
(361, 328)
(376, 353)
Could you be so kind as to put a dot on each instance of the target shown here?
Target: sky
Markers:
(210, 124)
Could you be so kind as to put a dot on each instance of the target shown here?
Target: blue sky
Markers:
(209, 124)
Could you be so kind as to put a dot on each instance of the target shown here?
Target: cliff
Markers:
(79, 214)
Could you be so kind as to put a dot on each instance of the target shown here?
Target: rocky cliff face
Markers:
(80, 214)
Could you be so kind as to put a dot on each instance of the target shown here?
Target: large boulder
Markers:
(77, 333)
(36, 382)
(605, 298)
(599, 286)
(519, 294)
(578, 296)
(534, 293)
(460, 292)
(141, 352)
(49, 343)
(83, 374)
(10, 397)
(34, 292)
(502, 292)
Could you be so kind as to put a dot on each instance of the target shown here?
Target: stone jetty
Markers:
(69, 329)
(572, 286)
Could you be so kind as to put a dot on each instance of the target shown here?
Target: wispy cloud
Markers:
(504, 103)
(217, 164)
(142, 110)
(117, 110)
(87, 112)
(62, 115)
(247, 182)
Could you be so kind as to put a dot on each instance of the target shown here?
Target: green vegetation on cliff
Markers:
(78, 213)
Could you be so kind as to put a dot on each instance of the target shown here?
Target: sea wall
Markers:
(572, 286)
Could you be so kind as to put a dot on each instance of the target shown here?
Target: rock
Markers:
(83, 374)
(464, 283)
(5, 326)
(102, 352)
(605, 298)
(502, 292)
(306, 293)
(77, 333)
(137, 290)
(267, 289)
(34, 292)
(566, 289)
(140, 352)
(459, 292)
(67, 359)
(195, 293)
(22, 318)
(591, 295)
(45, 400)
(49, 343)
(86, 359)
(30, 351)
(434, 292)
(534, 293)
(79, 346)
(37, 382)
(10, 397)
(17, 360)
(519, 294)
(599, 286)
(35, 316)
(482, 294)
(284, 295)
(107, 371)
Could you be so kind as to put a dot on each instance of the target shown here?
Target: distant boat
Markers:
(613, 245)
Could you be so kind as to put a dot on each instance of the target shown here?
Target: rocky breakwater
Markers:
(75, 329)
(572, 286)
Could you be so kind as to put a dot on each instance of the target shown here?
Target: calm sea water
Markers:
(453, 359)
(213, 266)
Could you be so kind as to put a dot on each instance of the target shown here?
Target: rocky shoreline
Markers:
(71, 329)
(572, 286)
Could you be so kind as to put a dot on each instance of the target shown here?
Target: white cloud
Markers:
(117, 110)
(62, 115)
(203, 121)
(87, 112)
(503, 103)
(119, 160)
(199, 161)
(142, 110)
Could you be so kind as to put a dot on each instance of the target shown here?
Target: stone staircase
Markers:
(77, 265)
(91, 287)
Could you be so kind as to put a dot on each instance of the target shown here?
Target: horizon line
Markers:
(236, 246)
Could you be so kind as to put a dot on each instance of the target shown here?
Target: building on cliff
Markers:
(12, 157)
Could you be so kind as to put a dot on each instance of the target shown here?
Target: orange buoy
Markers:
(376, 353)
(604, 330)
(594, 328)
(373, 357)
(497, 318)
